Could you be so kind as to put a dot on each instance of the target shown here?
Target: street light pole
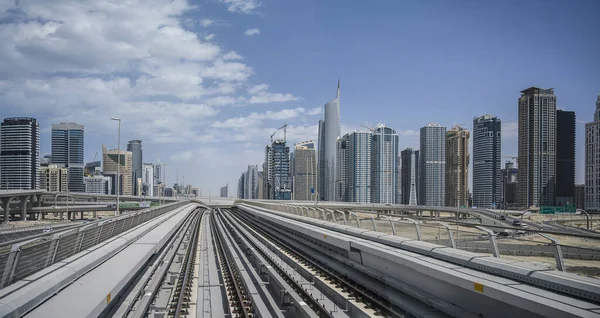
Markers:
(118, 165)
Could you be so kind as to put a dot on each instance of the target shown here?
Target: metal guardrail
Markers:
(27, 258)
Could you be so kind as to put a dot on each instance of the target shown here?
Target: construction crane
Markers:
(284, 127)
(95, 155)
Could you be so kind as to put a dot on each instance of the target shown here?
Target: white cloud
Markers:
(252, 32)
(314, 111)
(206, 22)
(232, 55)
(241, 6)
(85, 61)
(256, 118)
(260, 95)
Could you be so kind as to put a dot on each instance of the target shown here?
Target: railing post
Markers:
(392, 226)
(343, 215)
(357, 219)
(450, 236)
(417, 229)
(374, 226)
(492, 236)
(560, 264)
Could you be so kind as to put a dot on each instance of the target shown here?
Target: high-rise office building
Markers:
(267, 173)
(158, 168)
(261, 185)
(54, 178)
(359, 162)
(457, 167)
(281, 185)
(433, 165)
(508, 175)
(224, 191)
(592, 163)
(111, 159)
(384, 165)
(251, 183)
(67, 151)
(19, 154)
(241, 186)
(98, 185)
(487, 153)
(341, 184)
(537, 142)
(148, 179)
(410, 176)
(135, 147)
(329, 131)
(305, 170)
(565, 157)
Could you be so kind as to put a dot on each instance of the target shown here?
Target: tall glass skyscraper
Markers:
(565, 157)
(384, 166)
(487, 150)
(457, 167)
(359, 166)
(329, 131)
(67, 151)
(537, 147)
(410, 177)
(135, 146)
(433, 165)
(19, 154)
(280, 171)
(251, 182)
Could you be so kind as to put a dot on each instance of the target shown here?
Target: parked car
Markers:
(502, 217)
(516, 223)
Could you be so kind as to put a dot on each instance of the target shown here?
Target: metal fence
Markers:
(27, 258)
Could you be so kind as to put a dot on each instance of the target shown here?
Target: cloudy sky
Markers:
(204, 83)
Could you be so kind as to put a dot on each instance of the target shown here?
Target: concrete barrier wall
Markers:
(532, 250)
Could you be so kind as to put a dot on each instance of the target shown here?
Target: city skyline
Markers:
(231, 96)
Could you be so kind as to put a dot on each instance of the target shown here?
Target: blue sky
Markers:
(205, 83)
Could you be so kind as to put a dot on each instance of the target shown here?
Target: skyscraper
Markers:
(110, 163)
(135, 146)
(224, 191)
(98, 185)
(19, 154)
(281, 188)
(384, 166)
(251, 183)
(410, 176)
(341, 182)
(67, 151)
(241, 186)
(305, 166)
(487, 147)
(359, 166)
(53, 178)
(267, 173)
(565, 157)
(509, 185)
(329, 131)
(433, 165)
(457, 167)
(592, 164)
(537, 142)
(148, 179)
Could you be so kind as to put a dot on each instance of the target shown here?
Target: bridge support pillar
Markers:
(24, 200)
(81, 216)
(38, 200)
(95, 215)
(6, 208)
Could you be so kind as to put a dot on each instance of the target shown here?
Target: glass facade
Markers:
(67, 151)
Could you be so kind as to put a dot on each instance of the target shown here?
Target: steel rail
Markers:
(230, 272)
(190, 258)
(373, 301)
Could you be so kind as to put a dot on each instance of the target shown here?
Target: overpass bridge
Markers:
(274, 259)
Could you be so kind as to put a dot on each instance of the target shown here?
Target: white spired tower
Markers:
(329, 131)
